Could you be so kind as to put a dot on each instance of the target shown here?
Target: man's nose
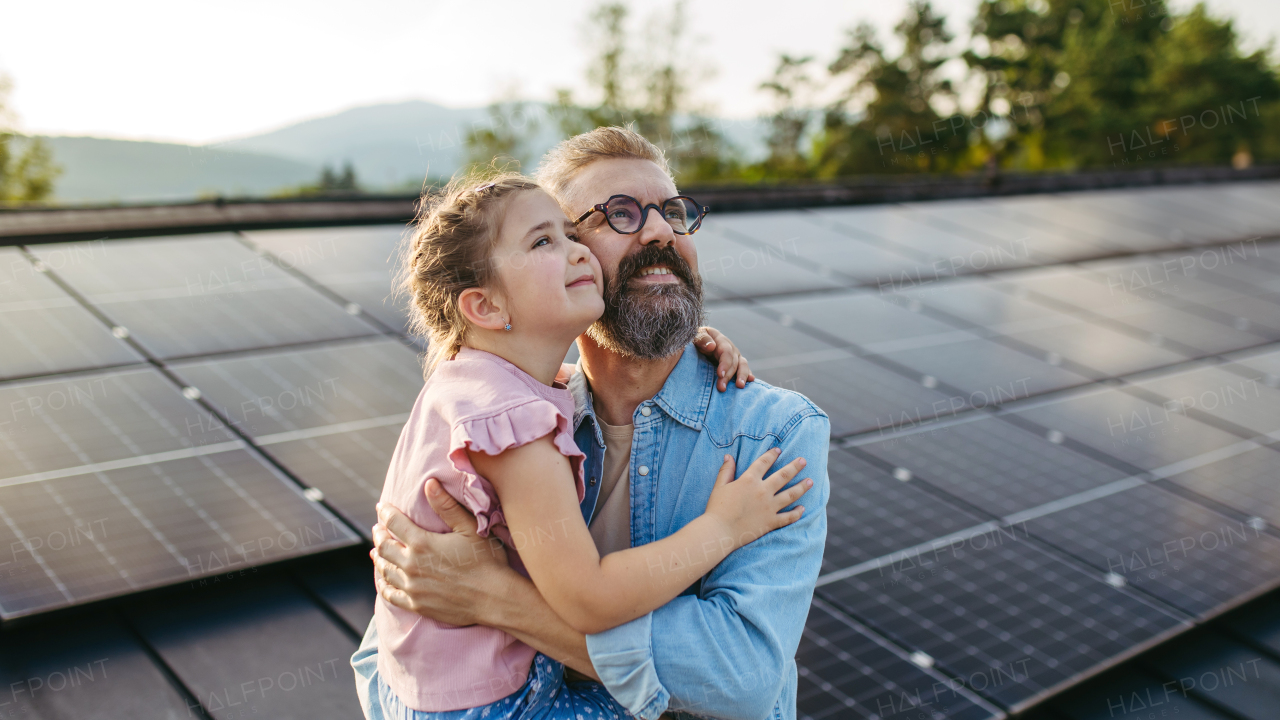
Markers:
(659, 232)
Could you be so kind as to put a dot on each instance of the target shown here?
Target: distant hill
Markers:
(393, 147)
(97, 170)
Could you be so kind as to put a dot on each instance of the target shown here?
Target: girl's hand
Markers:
(749, 506)
(729, 362)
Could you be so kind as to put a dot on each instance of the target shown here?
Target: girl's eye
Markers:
(573, 237)
(541, 241)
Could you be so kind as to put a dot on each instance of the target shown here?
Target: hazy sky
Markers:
(205, 71)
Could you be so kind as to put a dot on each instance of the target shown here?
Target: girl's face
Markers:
(551, 282)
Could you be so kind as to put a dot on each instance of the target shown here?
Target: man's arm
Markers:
(461, 578)
(723, 652)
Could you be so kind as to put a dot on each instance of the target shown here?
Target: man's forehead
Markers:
(641, 179)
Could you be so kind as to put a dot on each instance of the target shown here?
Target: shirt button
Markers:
(645, 411)
(644, 469)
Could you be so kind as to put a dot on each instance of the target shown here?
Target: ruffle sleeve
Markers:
(493, 434)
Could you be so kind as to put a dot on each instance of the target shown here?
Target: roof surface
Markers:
(1054, 447)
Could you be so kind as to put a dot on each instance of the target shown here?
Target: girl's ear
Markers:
(482, 310)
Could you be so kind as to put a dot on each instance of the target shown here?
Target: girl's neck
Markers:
(540, 357)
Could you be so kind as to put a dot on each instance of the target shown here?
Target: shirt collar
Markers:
(684, 396)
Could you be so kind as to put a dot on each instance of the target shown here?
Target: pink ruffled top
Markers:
(482, 403)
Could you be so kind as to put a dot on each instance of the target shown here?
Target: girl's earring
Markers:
(508, 328)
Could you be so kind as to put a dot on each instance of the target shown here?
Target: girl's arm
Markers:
(593, 594)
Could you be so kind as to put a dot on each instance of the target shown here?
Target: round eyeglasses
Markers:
(626, 215)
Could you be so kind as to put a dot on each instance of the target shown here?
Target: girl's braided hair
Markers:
(449, 250)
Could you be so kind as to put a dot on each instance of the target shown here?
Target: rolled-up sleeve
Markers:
(729, 651)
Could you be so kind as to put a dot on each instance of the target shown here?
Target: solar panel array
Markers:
(1054, 421)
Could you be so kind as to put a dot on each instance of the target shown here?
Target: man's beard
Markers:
(652, 320)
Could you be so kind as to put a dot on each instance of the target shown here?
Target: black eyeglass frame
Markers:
(644, 213)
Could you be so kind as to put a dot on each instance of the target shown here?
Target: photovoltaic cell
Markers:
(330, 415)
(807, 239)
(1248, 481)
(1147, 436)
(358, 264)
(748, 269)
(857, 394)
(1107, 352)
(1240, 397)
(43, 330)
(995, 466)
(1009, 620)
(847, 673)
(872, 515)
(864, 319)
(109, 485)
(1187, 555)
(192, 296)
(986, 372)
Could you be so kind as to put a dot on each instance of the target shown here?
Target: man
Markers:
(654, 433)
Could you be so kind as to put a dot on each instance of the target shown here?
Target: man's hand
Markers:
(448, 577)
(460, 578)
(730, 365)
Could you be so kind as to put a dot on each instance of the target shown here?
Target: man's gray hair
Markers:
(564, 161)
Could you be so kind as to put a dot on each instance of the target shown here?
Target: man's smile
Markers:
(656, 274)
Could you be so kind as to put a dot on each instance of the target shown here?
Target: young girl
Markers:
(501, 287)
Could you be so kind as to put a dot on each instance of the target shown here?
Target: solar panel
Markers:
(1006, 618)
(864, 319)
(845, 671)
(1240, 397)
(810, 241)
(899, 228)
(43, 330)
(192, 296)
(356, 263)
(1074, 213)
(878, 521)
(993, 465)
(111, 484)
(1120, 425)
(269, 651)
(857, 394)
(1107, 352)
(1247, 480)
(984, 371)
(330, 415)
(1187, 555)
(749, 269)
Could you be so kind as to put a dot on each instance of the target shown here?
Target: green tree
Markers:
(898, 128)
(792, 89)
(1098, 83)
(27, 170)
(506, 140)
(651, 91)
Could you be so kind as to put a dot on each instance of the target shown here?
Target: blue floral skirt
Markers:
(544, 696)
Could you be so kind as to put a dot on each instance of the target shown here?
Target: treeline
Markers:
(1037, 85)
(27, 170)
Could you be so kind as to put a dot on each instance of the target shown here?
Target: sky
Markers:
(200, 72)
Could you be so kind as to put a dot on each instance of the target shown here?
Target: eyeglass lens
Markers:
(625, 214)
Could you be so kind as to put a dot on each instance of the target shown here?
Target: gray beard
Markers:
(650, 322)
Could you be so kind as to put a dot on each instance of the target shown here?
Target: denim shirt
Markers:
(726, 646)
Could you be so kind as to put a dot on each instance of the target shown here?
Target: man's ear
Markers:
(482, 310)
